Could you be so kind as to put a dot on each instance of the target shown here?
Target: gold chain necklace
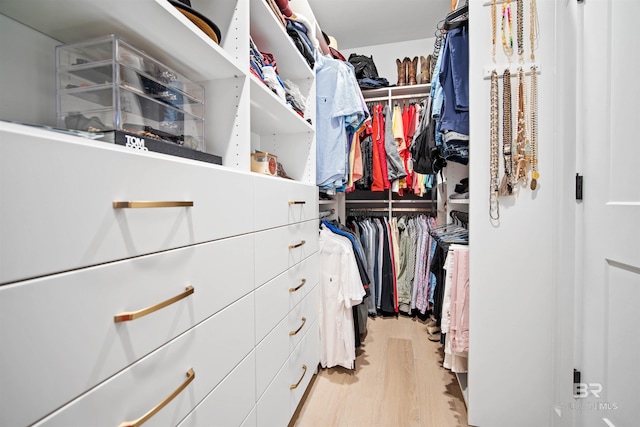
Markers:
(533, 126)
(507, 38)
(520, 28)
(534, 27)
(520, 165)
(493, 30)
(520, 142)
(494, 204)
(506, 187)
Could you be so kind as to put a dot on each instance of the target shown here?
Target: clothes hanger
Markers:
(457, 18)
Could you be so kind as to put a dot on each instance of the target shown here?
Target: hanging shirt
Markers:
(378, 180)
(341, 289)
(380, 145)
(394, 163)
(454, 77)
(338, 106)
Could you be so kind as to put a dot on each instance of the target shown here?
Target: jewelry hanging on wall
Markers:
(507, 29)
(494, 183)
(506, 187)
(534, 27)
(520, 29)
(521, 133)
(534, 34)
(533, 126)
(493, 30)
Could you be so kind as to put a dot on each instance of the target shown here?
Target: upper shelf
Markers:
(395, 91)
(270, 115)
(271, 37)
(154, 26)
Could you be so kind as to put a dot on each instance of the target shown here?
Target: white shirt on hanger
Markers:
(341, 289)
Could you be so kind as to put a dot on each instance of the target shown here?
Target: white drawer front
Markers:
(307, 354)
(274, 407)
(279, 401)
(231, 401)
(281, 202)
(251, 420)
(212, 349)
(303, 315)
(275, 298)
(273, 351)
(57, 194)
(271, 354)
(61, 330)
(280, 248)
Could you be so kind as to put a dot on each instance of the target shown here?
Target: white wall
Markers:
(512, 275)
(385, 55)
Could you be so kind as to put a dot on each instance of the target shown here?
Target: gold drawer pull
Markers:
(143, 419)
(132, 315)
(298, 245)
(299, 286)
(293, 333)
(297, 202)
(125, 205)
(295, 386)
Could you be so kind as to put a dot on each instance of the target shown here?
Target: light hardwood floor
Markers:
(398, 381)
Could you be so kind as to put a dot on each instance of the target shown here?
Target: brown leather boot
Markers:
(402, 72)
(425, 70)
(412, 69)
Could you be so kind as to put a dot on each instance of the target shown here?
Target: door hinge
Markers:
(579, 184)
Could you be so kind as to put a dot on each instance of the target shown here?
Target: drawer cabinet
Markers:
(212, 349)
(277, 297)
(57, 197)
(279, 401)
(62, 332)
(280, 202)
(277, 346)
(232, 400)
(279, 248)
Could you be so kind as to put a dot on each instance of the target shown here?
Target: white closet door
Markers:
(608, 323)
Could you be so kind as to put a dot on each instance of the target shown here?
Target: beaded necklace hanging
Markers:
(494, 204)
(534, 27)
(507, 37)
(534, 34)
(506, 187)
(533, 125)
(520, 29)
(494, 183)
(521, 134)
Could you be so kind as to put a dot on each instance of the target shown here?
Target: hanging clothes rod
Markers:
(408, 202)
(351, 210)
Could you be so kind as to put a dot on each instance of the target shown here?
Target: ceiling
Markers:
(357, 23)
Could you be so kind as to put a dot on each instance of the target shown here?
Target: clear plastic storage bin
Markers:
(107, 85)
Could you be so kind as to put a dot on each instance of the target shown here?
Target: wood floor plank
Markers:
(399, 405)
(398, 380)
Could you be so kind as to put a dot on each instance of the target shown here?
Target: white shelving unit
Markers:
(242, 240)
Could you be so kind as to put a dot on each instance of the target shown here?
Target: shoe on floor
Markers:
(434, 337)
(433, 329)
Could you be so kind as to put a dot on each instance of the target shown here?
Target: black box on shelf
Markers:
(138, 142)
